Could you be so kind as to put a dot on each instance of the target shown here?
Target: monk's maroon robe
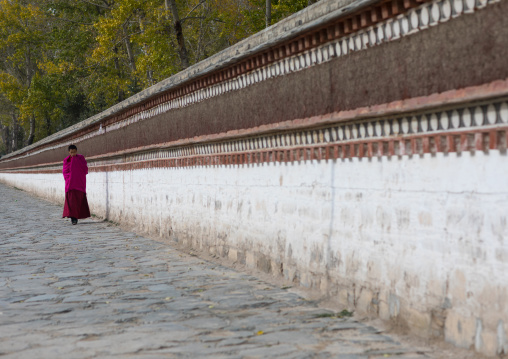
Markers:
(75, 170)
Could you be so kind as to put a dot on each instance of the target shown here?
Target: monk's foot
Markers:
(74, 221)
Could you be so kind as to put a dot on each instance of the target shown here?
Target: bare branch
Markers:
(104, 58)
(194, 8)
(202, 17)
(68, 20)
(193, 17)
(128, 36)
(108, 4)
(94, 4)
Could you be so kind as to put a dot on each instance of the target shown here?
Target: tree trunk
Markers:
(177, 25)
(149, 75)
(31, 136)
(128, 46)
(200, 41)
(6, 138)
(29, 69)
(14, 142)
(268, 16)
(48, 125)
(149, 72)
(120, 92)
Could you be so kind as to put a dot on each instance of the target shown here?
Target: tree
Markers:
(263, 13)
(177, 25)
(268, 13)
(21, 36)
(8, 121)
(62, 61)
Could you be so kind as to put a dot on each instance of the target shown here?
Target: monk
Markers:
(75, 170)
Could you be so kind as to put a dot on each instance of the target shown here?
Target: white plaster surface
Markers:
(423, 233)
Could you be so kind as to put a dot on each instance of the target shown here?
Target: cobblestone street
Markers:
(95, 291)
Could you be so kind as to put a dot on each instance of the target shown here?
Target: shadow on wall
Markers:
(107, 195)
(332, 214)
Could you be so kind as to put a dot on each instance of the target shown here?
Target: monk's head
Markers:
(73, 150)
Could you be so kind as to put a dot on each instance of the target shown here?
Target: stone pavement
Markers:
(94, 291)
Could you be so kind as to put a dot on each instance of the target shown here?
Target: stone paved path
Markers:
(93, 291)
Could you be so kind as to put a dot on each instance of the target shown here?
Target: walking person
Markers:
(75, 170)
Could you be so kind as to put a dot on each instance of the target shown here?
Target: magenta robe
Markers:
(75, 170)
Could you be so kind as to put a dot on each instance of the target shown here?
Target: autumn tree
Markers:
(65, 60)
(21, 36)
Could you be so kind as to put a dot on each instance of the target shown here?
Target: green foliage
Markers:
(342, 314)
(254, 13)
(65, 60)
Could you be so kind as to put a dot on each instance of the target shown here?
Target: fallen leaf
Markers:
(260, 332)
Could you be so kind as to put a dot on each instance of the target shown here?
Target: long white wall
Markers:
(422, 239)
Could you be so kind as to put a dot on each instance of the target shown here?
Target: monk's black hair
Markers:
(72, 147)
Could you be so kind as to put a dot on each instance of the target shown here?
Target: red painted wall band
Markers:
(414, 145)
